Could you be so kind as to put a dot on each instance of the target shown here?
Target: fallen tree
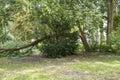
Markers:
(28, 45)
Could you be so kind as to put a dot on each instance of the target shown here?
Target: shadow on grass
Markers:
(35, 67)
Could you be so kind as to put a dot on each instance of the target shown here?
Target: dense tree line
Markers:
(59, 27)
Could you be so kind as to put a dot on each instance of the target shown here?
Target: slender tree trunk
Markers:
(102, 38)
(110, 18)
(83, 38)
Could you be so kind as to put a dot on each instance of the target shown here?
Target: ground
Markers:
(102, 67)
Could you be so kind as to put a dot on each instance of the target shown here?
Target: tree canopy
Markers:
(59, 27)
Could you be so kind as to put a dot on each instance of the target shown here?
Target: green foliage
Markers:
(100, 48)
(32, 19)
(63, 47)
(15, 43)
(115, 40)
(117, 21)
(59, 21)
(12, 43)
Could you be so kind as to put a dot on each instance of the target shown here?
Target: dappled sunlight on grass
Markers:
(2, 69)
(68, 68)
(100, 67)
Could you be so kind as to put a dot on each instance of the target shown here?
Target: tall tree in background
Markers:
(110, 15)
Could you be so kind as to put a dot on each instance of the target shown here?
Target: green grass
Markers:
(70, 68)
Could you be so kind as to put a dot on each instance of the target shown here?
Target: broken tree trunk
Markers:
(28, 45)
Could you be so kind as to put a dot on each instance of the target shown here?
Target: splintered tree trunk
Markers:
(83, 38)
(110, 18)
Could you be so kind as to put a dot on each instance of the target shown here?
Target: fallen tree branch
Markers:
(28, 45)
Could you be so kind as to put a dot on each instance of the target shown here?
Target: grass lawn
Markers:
(69, 68)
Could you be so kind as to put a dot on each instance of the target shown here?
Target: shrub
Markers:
(114, 40)
(66, 45)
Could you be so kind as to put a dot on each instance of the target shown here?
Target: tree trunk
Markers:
(110, 18)
(83, 38)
